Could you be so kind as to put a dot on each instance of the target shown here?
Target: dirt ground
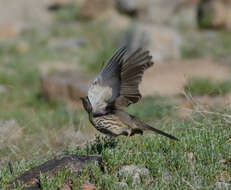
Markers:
(169, 78)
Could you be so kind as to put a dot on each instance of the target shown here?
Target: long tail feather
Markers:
(160, 132)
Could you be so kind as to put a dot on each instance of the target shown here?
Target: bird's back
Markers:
(136, 125)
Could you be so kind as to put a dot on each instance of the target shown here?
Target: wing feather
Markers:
(131, 75)
(118, 82)
(106, 86)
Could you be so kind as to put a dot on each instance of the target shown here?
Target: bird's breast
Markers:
(99, 96)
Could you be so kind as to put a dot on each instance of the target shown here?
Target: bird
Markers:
(115, 88)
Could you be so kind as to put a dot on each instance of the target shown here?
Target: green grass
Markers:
(207, 43)
(206, 86)
(153, 108)
(68, 13)
(100, 47)
(205, 18)
(194, 161)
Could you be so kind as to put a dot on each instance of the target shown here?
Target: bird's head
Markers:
(86, 104)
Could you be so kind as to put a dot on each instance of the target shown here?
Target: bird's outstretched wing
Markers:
(131, 75)
(106, 86)
(117, 84)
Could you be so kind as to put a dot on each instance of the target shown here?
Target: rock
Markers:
(130, 7)
(47, 67)
(89, 186)
(159, 11)
(224, 177)
(22, 47)
(22, 14)
(57, 4)
(65, 187)
(167, 176)
(222, 185)
(175, 13)
(190, 156)
(224, 161)
(2, 89)
(135, 172)
(70, 43)
(9, 30)
(10, 132)
(66, 86)
(185, 14)
(214, 14)
(163, 42)
(115, 21)
(74, 163)
(122, 185)
(90, 9)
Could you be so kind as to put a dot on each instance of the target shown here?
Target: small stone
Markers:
(215, 14)
(130, 7)
(10, 132)
(71, 43)
(2, 89)
(123, 184)
(22, 47)
(115, 21)
(224, 176)
(135, 172)
(16, 16)
(223, 161)
(88, 186)
(131, 169)
(67, 86)
(189, 155)
(222, 185)
(66, 187)
(163, 42)
(160, 11)
(166, 176)
(57, 4)
(8, 31)
(90, 9)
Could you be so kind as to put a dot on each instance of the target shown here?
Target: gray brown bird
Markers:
(115, 88)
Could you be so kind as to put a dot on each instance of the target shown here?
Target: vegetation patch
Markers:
(153, 108)
(206, 86)
(199, 159)
(216, 44)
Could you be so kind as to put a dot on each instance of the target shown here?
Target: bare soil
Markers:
(169, 78)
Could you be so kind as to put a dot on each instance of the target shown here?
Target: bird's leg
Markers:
(124, 145)
(140, 141)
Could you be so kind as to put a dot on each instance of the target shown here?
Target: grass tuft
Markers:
(197, 159)
(206, 86)
(208, 43)
(156, 107)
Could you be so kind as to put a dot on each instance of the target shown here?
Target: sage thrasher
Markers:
(115, 88)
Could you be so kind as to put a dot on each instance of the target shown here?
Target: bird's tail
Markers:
(148, 127)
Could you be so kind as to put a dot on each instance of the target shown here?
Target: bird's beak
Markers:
(98, 114)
